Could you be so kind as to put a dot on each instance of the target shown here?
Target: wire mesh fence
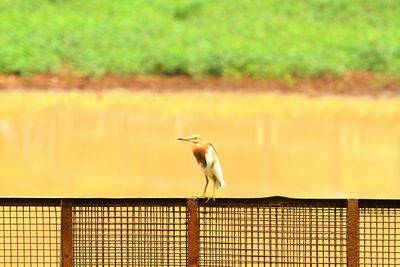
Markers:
(149, 234)
(29, 234)
(192, 232)
(283, 233)
(379, 233)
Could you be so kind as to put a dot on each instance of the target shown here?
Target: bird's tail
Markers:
(221, 182)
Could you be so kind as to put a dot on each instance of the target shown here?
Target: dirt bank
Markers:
(354, 83)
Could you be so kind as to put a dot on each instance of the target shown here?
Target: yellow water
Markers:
(123, 144)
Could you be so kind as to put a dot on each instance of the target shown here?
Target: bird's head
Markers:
(193, 138)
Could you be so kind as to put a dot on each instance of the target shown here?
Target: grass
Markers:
(261, 38)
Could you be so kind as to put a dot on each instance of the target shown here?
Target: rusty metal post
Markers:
(353, 233)
(66, 233)
(193, 232)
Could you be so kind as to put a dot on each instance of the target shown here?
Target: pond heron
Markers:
(208, 159)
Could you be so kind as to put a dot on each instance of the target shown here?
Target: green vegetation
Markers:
(267, 38)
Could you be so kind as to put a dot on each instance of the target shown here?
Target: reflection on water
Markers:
(124, 144)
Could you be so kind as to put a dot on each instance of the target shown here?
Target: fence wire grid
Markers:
(273, 234)
(379, 233)
(30, 234)
(228, 232)
(129, 236)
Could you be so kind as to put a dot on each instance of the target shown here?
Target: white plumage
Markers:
(213, 167)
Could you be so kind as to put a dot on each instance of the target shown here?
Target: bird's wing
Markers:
(213, 147)
(215, 165)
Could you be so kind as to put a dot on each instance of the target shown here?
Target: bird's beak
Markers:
(184, 139)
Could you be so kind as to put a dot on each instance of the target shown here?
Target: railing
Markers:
(273, 231)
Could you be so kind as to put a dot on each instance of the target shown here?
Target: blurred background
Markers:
(300, 98)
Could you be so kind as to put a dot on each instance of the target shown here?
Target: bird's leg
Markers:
(205, 188)
(213, 195)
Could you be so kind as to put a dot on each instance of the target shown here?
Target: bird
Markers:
(207, 157)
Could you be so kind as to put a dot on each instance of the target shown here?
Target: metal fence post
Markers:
(66, 233)
(193, 233)
(353, 233)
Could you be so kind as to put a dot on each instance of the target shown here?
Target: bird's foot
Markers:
(213, 198)
(204, 196)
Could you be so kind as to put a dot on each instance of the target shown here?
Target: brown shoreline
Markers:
(353, 84)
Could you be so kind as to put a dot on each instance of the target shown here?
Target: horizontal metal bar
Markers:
(20, 201)
(273, 201)
(219, 202)
(17, 201)
(128, 201)
(379, 203)
(276, 200)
